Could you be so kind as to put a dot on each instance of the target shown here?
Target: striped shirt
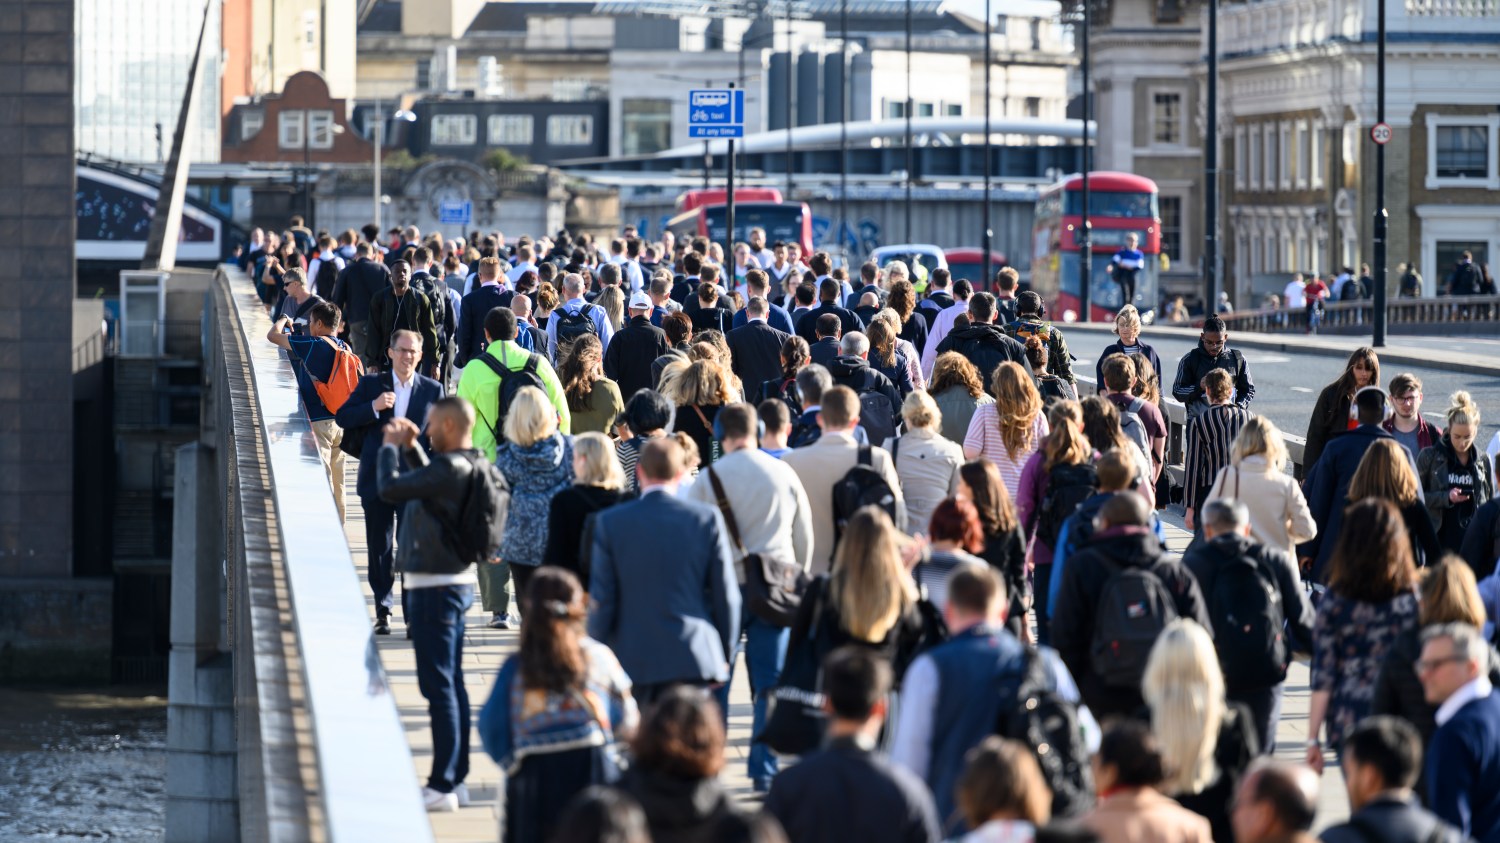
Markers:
(1209, 437)
(984, 437)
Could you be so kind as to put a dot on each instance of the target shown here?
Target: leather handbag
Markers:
(773, 586)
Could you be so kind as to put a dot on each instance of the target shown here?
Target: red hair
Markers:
(957, 520)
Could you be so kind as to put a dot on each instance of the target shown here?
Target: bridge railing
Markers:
(1175, 414)
(1348, 316)
(321, 750)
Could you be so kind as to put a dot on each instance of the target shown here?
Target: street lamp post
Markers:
(1085, 233)
(844, 90)
(791, 68)
(375, 167)
(1211, 170)
(1381, 217)
(984, 148)
(909, 158)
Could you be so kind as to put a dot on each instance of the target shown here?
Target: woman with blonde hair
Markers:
(1009, 431)
(699, 393)
(1385, 472)
(1456, 477)
(926, 463)
(598, 483)
(905, 346)
(1256, 477)
(593, 399)
(959, 393)
(1449, 595)
(1128, 329)
(1207, 741)
(612, 299)
(1056, 479)
(1333, 413)
(537, 462)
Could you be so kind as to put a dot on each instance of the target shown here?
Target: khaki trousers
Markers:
(329, 435)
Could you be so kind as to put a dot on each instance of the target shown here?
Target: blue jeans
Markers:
(764, 646)
(436, 619)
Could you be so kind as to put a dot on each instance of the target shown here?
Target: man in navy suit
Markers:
(663, 583)
(399, 393)
(488, 295)
(1463, 759)
(755, 347)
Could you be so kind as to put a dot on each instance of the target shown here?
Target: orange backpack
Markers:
(343, 377)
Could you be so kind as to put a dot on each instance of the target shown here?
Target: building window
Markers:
(925, 109)
(1284, 151)
(647, 126)
(1239, 157)
(1301, 156)
(289, 129)
(1462, 152)
(1273, 157)
(454, 130)
(1171, 228)
(895, 109)
(320, 129)
(251, 122)
(424, 74)
(953, 109)
(510, 129)
(1166, 118)
(1033, 106)
(570, 130)
(1255, 159)
(1315, 156)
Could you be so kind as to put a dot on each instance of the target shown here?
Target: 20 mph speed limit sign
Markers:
(1380, 133)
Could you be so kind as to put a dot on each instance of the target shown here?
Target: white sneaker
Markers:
(462, 792)
(438, 802)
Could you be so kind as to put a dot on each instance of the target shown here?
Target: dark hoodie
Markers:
(855, 373)
(682, 810)
(1073, 617)
(986, 346)
(1188, 387)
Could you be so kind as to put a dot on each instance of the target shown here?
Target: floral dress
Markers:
(1350, 641)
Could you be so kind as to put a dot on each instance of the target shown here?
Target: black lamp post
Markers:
(1085, 234)
(984, 148)
(1211, 170)
(1381, 217)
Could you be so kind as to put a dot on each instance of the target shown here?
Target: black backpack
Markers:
(1035, 714)
(861, 486)
(1134, 607)
(328, 275)
(571, 326)
(803, 432)
(785, 391)
(476, 536)
(511, 382)
(877, 416)
(1067, 487)
(1249, 624)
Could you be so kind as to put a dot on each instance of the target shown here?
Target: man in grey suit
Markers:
(665, 595)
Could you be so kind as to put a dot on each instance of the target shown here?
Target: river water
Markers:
(83, 765)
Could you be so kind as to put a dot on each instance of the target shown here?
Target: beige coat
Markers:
(1279, 516)
(821, 465)
(1145, 816)
(928, 467)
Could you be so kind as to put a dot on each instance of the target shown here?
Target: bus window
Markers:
(1140, 205)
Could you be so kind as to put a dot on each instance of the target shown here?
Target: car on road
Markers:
(920, 258)
(968, 262)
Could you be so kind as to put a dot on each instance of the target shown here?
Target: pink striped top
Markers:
(984, 437)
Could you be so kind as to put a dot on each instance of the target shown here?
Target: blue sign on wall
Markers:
(716, 113)
(456, 213)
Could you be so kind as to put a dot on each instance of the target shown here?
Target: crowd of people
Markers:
(938, 555)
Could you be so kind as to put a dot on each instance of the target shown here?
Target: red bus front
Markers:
(1120, 204)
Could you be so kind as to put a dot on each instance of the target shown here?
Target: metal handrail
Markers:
(1344, 314)
(366, 786)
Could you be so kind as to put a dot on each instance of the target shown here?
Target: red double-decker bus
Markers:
(1119, 204)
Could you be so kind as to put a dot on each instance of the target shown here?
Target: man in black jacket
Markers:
(399, 307)
(1381, 759)
(852, 369)
(1123, 541)
(848, 790)
(1227, 542)
(631, 352)
(826, 349)
(486, 296)
(828, 295)
(983, 344)
(755, 347)
(356, 287)
(1213, 352)
(438, 581)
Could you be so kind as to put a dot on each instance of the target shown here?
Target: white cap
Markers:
(640, 301)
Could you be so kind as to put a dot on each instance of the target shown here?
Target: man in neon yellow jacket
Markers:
(480, 383)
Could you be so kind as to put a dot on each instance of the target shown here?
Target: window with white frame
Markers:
(647, 126)
(1303, 154)
(953, 109)
(1462, 151)
(289, 129)
(454, 130)
(320, 129)
(1284, 153)
(252, 120)
(1166, 118)
(1255, 158)
(1239, 157)
(1272, 156)
(510, 129)
(1315, 156)
(570, 129)
(1253, 252)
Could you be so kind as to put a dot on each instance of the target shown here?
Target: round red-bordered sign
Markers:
(1380, 133)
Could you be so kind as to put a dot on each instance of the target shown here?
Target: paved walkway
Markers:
(486, 649)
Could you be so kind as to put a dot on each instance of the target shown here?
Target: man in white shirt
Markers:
(325, 255)
(525, 262)
(576, 304)
(1294, 297)
(943, 324)
(763, 256)
(633, 277)
(766, 512)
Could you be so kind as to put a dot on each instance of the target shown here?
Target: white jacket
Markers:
(1279, 516)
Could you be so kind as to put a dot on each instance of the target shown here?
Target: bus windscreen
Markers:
(780, 223)
(1132, 205)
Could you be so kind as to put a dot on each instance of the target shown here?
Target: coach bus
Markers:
(1120, 204)
(790, 222)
